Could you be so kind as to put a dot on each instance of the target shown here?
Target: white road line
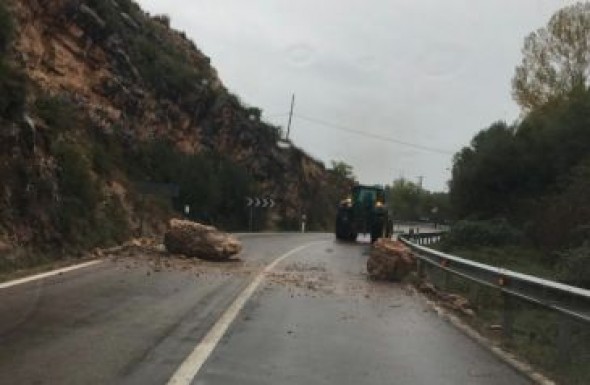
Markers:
(189, 369)
(16, 282)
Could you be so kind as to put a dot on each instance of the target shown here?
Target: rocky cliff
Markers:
(104, 81)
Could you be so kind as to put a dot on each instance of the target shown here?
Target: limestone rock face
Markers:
(199, 241)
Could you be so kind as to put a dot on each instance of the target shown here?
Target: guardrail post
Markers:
(420, 269)
(564, 339)
(446, 280)
(473, 293)
(507, 314)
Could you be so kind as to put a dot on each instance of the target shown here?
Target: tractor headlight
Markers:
(347, 202)
(379, 205)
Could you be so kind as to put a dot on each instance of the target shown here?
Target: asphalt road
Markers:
(315, 319)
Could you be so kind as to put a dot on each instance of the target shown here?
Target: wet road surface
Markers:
(314, 320)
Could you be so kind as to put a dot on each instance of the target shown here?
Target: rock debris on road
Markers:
(317, 318)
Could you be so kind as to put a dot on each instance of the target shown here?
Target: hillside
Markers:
(99, 96)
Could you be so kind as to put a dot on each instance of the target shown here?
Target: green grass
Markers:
(521, 259)
(535, 336)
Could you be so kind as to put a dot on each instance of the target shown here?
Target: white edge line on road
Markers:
(48, 274)
(189, 369)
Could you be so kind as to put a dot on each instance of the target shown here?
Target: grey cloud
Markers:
(430, 72)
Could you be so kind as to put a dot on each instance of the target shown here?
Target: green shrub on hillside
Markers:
(13, 92)
(166, 70)
(58, 113)
(12, 81)
(79, 192)
(112, 224)
(562, 219)
(574, 266)
(6, 28)
(164, 67)
(212, 185)
(496, 232)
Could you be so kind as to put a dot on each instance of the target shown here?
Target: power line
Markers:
(374, 136)
(277, 115)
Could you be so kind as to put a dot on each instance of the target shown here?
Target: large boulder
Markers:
(390, 260)
(199, 241)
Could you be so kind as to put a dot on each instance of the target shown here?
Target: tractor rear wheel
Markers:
(342, 227)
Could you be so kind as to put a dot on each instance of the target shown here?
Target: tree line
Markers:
(534, 174)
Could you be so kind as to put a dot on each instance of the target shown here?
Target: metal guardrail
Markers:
(571, 301)
(423, 239)
(571, 304)
(564, 310)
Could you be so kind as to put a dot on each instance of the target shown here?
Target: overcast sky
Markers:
(427, 72)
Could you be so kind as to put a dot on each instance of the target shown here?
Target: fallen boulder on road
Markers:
(195, 240)
(390, 260)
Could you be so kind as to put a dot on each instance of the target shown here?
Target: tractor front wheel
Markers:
(378, 230)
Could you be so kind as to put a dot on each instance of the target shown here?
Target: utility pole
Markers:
(290, 116)
(402, 174)
(420, 181)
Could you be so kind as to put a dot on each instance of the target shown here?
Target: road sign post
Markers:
(255, 203)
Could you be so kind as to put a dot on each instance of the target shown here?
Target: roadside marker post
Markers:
(303, 220)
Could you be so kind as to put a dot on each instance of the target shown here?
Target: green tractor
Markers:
(363, 212)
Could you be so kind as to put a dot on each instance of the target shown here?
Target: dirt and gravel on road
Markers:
(301, 278)
(151, 255)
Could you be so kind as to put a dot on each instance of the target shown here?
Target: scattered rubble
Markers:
(195, 240)
(150, 254)
(309, 281)
(135, 246)
(452, 301)
(390, 260)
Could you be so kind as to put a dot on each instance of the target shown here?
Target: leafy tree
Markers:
(404, 198)
(535, 174)
(343, 170)
(556, 58)
(562, 219)
(488, 174)
(409, 201)
(440, 206)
